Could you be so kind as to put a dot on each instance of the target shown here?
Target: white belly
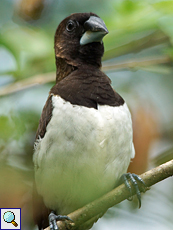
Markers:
(83, 154)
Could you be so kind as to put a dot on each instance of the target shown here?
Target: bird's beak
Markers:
(95, 30)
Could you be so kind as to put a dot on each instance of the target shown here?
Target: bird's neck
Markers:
(63, 69)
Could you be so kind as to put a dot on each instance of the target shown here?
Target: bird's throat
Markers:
(63, 69)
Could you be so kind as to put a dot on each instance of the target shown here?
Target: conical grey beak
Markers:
(95, 30)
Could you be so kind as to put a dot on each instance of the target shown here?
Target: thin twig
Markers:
(137, 63)
(151, 39)
(116, 196)
(27, 83)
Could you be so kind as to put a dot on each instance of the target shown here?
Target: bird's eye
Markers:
(71, 25)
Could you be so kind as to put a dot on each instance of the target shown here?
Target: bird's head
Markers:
(78, 39)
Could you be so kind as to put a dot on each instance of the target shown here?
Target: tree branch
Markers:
(92, 211)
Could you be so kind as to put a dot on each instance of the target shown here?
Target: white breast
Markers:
(83, 153)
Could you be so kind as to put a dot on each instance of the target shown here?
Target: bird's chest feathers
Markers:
(84, 151)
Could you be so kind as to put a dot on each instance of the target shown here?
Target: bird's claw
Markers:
(54, 218)
(136, 182)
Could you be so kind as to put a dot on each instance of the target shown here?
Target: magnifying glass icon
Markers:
(9, 217)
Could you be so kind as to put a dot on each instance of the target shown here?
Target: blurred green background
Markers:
(138, 59)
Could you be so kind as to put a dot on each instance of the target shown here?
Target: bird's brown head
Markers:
(78, 40)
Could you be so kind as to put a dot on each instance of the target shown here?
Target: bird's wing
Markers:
(40, 211)
(45, 118)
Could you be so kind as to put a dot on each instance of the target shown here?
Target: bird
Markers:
(84, 141)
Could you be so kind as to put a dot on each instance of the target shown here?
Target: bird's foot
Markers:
(54, 218)
(136, 183)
